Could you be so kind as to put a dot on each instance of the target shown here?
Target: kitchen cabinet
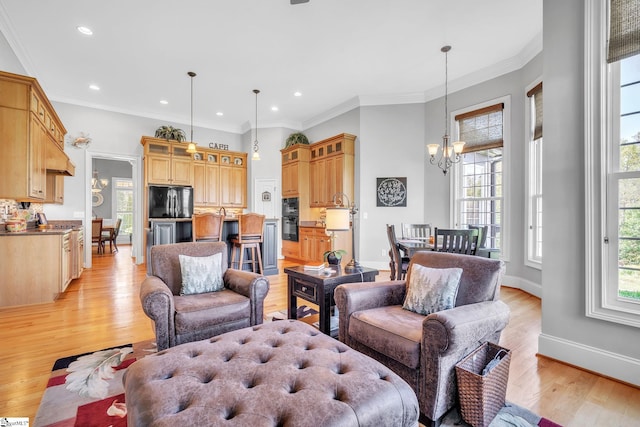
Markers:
(331, 169)
(36, 266)
(77, 253)
(28, 124)
(54, 189)
(270, 247)
(233, 180)
(166, 162)
(295, 170)
(206, 182)
(314, 242)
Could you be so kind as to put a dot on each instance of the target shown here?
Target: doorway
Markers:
(121, 165)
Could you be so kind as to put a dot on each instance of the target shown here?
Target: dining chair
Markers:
(250, 236)
(397, 264)
(456, 241)
(207, 227)
(111, 235)
(416, 231)
(482, 236)
(96, 234)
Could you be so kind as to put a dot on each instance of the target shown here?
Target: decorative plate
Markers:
(197, 156)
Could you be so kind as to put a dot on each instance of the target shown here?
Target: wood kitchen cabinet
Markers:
(55, 189)
(28, 124)
(314, 242)
(233, 180)
(331, 169)
(295, 170)
(206, 184)
(166, 162)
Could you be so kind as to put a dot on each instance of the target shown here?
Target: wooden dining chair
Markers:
(111, 235)
(96, 234)
(456, 241)
(398, 264)
(416, 231)
(207, 227)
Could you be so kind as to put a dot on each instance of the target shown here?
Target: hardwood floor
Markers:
(102, 309)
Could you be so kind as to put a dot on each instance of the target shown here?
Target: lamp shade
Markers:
(337, 219)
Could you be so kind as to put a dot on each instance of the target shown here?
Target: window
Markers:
(123, 206)
(613, 164)
(479, 188)
(534, 176)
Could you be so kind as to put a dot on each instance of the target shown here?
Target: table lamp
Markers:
(337, 219)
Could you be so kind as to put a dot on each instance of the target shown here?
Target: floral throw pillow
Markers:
(201, 274)
(432, 289)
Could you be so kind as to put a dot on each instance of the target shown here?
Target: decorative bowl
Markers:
(15, 225)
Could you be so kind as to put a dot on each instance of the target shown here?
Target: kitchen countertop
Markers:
(36, 232)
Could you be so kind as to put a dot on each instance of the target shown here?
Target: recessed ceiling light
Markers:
(85, 30)
(297, 94)
(274, 108)
(219, 113)
(94, 87)
(164, 102)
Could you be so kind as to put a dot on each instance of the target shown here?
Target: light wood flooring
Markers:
(102, 309)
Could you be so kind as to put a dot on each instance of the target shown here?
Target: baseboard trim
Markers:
(602, 362)
(528, 286)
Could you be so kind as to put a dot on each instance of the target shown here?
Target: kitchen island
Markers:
(164, 231)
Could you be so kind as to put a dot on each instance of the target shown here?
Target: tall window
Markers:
(479, 183)
(534, 188)
(123, 204)
(613, 161)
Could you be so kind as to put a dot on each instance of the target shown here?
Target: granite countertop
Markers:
(311, 224)
(36, 232)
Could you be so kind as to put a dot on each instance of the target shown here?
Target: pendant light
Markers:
(450, 153)
(191, 148)
(256, 155)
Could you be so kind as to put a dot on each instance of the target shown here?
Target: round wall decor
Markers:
(97, 199)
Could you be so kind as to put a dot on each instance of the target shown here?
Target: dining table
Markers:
(411, 246)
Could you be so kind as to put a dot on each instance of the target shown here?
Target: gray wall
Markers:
(567, 334)
(8, 60)
(107, 169)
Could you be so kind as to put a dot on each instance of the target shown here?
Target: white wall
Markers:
(567, 334)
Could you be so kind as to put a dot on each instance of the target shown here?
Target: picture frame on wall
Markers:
(391, 192)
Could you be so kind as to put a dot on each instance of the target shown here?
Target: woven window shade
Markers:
(536, 93)
(624, 29)
(481, 129)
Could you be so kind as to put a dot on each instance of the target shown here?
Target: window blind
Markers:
(481, 129)
(536, 93)
(624, 29)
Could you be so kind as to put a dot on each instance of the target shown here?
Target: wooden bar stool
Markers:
(207, 227)
(250, 236)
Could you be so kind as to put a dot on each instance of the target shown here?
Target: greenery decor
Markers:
(169, 132)
(296, 138)
(334, 257)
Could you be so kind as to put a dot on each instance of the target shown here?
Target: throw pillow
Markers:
(201, 274)
(432, 289)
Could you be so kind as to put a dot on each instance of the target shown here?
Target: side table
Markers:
(317, 288)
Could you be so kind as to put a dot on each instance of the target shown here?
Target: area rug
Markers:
(86, 391)
(302, 311)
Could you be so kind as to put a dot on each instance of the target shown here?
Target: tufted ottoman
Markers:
(283, 373)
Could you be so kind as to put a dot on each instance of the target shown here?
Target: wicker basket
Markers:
(482, 396)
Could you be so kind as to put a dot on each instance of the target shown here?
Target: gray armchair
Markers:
(184, 318)
(423, 350)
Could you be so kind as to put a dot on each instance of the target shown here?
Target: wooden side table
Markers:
(317, 288)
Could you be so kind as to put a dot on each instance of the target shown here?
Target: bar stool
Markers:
(207, 227)
(250, 235)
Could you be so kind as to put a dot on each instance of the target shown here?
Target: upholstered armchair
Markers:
(184, 318)
(423, 349)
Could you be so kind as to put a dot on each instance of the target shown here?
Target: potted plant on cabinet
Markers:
(334, 257)
(296, 138)
(169, 132)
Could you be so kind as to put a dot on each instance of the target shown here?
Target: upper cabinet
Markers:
(29, 129)
(218, 177)
(295, 170)
(331, 169)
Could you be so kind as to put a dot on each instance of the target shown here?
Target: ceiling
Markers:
(336, 53)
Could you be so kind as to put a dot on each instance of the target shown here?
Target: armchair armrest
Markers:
(157, 303)
(352, 297)
(252, 285)
(451, 331)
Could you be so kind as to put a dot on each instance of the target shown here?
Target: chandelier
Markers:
(98, 184)
(450, 152)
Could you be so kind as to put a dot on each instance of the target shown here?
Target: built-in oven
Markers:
(290, 218)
